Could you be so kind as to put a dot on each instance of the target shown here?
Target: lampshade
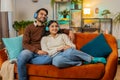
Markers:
(86, 11)
(6, 5)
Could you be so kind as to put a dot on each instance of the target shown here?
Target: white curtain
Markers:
(116, 30)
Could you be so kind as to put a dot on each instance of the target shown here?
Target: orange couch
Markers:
(97, 71)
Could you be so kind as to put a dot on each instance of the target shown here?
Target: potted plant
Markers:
(52, 2)
(117, 18)
(64, 13)
(116, 21)
(105, 13)
(76, 3)
(19, 26)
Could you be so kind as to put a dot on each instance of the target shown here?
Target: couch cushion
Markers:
(3, 57)
(98, 47)
(13, 46)
(93, 71)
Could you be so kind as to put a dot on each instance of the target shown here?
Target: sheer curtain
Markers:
(4, 29)
(4, 25)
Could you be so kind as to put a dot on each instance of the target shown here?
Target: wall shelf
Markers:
(73, 20)
(102, 25)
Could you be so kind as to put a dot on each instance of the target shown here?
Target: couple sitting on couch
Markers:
(57, 48)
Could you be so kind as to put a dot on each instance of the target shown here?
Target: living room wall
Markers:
(24, 9)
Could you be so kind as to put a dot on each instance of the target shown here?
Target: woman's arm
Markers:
(68, 42)
(69, 33)
(44, 47)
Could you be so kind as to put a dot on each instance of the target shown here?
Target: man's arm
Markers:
(69, 33)
(26, 41)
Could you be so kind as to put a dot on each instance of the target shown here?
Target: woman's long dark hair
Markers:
(46, 33)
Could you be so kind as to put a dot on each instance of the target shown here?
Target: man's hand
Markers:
(42, 52)
(71, 36)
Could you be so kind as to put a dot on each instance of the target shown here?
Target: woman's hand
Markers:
(63, 48)
(60, 49)
(42, 52)
(67, 47)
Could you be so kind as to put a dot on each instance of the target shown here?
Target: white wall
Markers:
(25, 9)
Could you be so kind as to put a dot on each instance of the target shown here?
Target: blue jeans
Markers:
(70, 57)
(27, 56)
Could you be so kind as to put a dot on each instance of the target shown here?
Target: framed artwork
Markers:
(34, 0)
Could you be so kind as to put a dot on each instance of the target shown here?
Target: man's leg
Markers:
(23, 59)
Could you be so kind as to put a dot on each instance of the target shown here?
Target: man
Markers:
(32, 52)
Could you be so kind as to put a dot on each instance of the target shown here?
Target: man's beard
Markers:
(41, 20)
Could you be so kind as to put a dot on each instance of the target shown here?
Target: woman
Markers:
(62, 50)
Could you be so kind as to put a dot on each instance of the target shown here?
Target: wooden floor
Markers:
(118, 73)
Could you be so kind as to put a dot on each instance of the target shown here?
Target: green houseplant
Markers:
(117, 18)
(64, 13)
(52, 2)
(19, 26)
(116, 22)
(105, 13)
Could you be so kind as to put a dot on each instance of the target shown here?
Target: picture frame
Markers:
(34, 0)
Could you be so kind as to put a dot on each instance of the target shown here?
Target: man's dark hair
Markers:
(43, 10)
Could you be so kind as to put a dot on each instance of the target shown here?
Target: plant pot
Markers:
(21, 31)
(64, 16)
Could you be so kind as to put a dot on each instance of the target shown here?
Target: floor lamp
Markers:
(6, 10)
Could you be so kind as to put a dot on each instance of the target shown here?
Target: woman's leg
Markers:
(62, 62)
(77, 55)
(71, 57)
(41, 59)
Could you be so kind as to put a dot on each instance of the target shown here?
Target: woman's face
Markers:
(53, 28)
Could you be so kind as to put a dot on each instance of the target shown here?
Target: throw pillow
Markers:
(98, 47)
(13, 46)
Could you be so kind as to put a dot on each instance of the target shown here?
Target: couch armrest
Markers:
(3, 57)
(111, 66)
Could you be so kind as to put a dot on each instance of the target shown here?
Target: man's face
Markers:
(42, 16)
